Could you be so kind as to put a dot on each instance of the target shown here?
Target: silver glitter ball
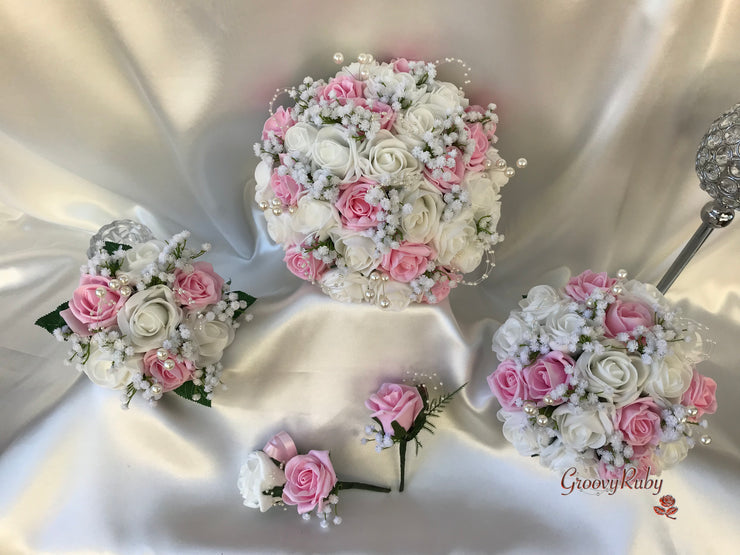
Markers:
(718, 159)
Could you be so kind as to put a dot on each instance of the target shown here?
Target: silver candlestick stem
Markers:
(718, 168)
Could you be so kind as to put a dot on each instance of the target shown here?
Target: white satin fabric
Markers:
(148, 110)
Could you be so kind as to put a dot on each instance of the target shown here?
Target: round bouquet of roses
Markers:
(382, 184)
(600, 376)
(149, 318)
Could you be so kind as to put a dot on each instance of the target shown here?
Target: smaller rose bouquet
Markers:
(278, 475)
(401, 412)
(600, 376)
(148, 318)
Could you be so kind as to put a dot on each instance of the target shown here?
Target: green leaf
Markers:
(398, 432)
(110, 247)
(249, 299)
(188, 389)
(53, 320)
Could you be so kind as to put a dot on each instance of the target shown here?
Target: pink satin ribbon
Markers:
(281, 447)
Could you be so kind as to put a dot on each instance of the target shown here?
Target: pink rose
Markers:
(278, 123)
(701, 394)
(357, 214)
(309, 480)
(507, 384)
(441, 289)
(581, 286)
(304, 266)
(478, 158)
(386, 113)
(546, 374)
(625, 316)
(171, 378)
(87, 311)
(445, 178)
(408, 261)
(489, 128)
(198, 288)
(395, 402)
(341, 89)
(639, 422)
(400, 65)
(285, 188)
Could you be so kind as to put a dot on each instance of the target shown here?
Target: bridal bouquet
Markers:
(600, 376)
(382, 184)
(148, 318)
(278, 475)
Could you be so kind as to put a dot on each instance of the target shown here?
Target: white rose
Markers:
(387, 155)
(300, 138)
(541, 302)
(280, 229)
(564, 328)
(334, 151)
(520, 432)
(668, 379)
(359, 251)
(399, 294)
(262, 175)
(693, 351)
(149, 317)
(510, 336)
(613, 375)
(421, 223)
(211, 337)
(558, 457)
(99, 368)
(447, 96)
(411, 126)
(314, 216)
(139, 257)
(671, 453)
(647, 293)
(484, 197)
(385, 79)
(346, 288)
(453, 236)
(582, 429)
(258, 475)
(469, 258)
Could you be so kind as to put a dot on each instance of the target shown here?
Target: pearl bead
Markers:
(277, 210)
(529, 408)
(548, 399)
(338, 57)
(542, 420)
(126, 290)
(362, 58)
(374, 276)
(162, 354)
(291, 209)
(384, 302)
(124, 279)
(114, 284)
(384, 277)
(501, 163)
(264, 205)
(617, 289)
(100, 292)
(622, 273)
(692, 412)
(488, 163)
(277, 202)
(509, 172)
(705, 440)
(369, 294)
(590, 303)
(156, 389)
(169, 364)
(521, 163)
(364, 74)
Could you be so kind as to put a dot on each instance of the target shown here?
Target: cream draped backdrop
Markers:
(148, 110)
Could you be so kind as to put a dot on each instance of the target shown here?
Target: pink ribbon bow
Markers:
(281, 447)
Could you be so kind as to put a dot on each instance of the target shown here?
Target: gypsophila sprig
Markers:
(600, 377)
(278, 475)
(148, 318)
(382, 184)
(400, 413)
